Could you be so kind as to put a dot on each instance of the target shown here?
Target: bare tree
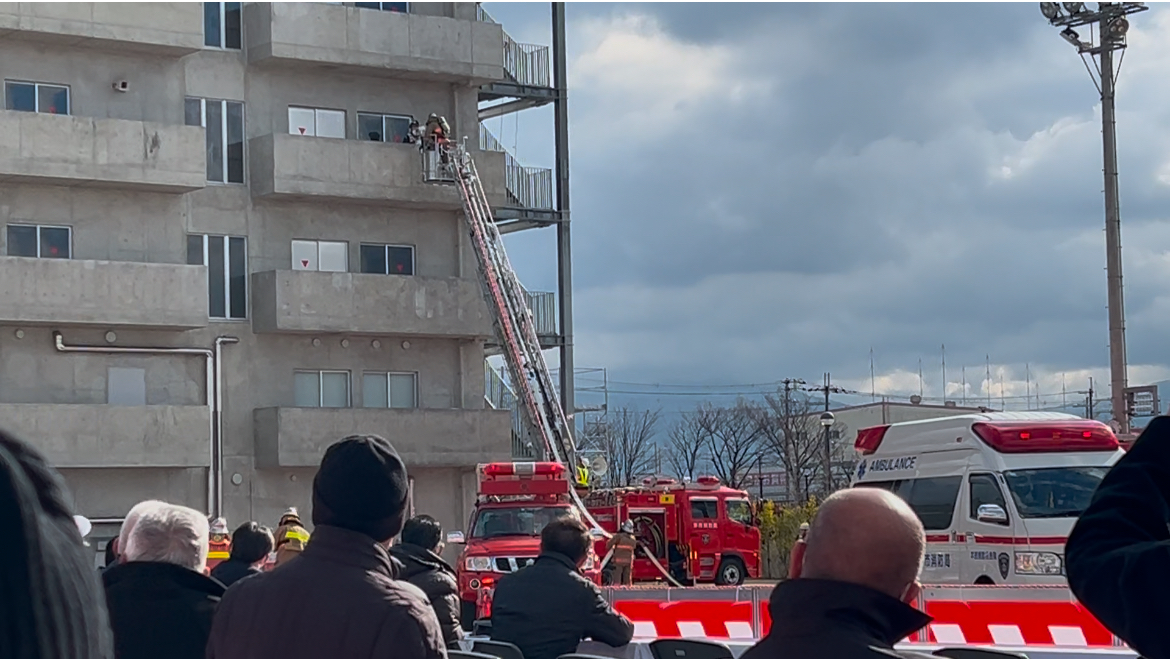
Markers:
(627, 440)
(733, 439)
(685, 447)
(790, 425)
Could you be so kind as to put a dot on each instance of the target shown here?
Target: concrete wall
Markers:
(103, 293)
(137, 219)
(301, 301)
(113, 153)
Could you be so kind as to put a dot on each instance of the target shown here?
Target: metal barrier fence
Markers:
(528, 187)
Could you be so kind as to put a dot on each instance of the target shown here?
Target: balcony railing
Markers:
(524, 63)
(528, 187)
(499, 395)
(544, 312)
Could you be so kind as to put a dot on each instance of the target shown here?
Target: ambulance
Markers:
(998, 492)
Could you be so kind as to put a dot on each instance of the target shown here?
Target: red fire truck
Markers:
(514, 501)
(701, 532)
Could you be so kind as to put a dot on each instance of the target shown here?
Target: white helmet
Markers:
(219, 526)
(84, 526)
(628, 526)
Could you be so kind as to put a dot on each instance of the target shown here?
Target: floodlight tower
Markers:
(1108, 26)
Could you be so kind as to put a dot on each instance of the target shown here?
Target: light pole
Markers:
(827, 421)
(1110, 25)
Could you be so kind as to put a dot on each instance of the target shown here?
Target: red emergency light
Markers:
(524, 469)
(1064, 436)
(869, 439)
(708, 481)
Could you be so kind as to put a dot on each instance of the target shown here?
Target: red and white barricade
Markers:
(1007, 616)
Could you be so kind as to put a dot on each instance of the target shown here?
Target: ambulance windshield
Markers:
(528, 521)
(1053, 492)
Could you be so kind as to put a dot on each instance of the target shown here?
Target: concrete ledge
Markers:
(352, 303)
(114, 436)
(102, 293)
(113, 153)
(298, 436)
(371, 42)
(165, 29)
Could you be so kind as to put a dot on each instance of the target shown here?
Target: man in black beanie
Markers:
(340, 597)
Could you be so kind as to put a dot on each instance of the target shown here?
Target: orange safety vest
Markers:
(218, 550)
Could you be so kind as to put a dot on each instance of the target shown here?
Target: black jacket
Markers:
(231, 571)
(339, 599)
(819, 619)
(1118, 554)
(547, 608)
(160, 610)
(436, 578)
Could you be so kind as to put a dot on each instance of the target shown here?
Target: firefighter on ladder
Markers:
(219, 544)
(622, 544)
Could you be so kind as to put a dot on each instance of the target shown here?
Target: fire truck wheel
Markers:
(985, 580)
(731, 572)
(466, 614)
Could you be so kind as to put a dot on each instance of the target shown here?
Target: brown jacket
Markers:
(338, 600)
(623, 545)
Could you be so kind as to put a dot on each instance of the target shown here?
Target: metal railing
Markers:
(527, 187)
(499, 395)
(544, 312)
(524, 63)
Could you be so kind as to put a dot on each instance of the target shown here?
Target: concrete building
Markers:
(185, 186)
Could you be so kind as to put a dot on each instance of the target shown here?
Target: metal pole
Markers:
(561, 171)
(1117, 356)
(828, 449)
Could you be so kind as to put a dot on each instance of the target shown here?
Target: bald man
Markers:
(854, 577)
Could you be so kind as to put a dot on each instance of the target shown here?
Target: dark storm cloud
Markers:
(769, 190)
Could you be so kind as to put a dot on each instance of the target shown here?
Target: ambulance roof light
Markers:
(524, 469)
(869, 439)
(1074, 435)
(708, 481)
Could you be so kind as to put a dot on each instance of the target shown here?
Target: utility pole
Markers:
(1112, 26)
(561, 172)
(1089, 402)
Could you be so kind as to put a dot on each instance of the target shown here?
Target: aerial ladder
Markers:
(547, 424)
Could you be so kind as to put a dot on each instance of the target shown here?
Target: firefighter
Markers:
(291, 537)
(622, 544)
(581, 480)
(219, 544)
(437, 129)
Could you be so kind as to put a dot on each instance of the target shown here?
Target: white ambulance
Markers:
(998, 492)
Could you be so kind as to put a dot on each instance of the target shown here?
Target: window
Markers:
(704, 509)
(313, 122)
(984, 491)
(320, 255)
(933, 499)
(226, 258)
(1052, 493)
(126, 386)
(387, 259)
(221, 24)
(398, 391)
(401, 7)
(383, 127)
(321, 388)
(224, 121)
(36, 97)
(42, 242)
(739, 510)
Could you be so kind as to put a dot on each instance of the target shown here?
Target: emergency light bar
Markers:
(1065, 436)
(524, 479)
(524, 469)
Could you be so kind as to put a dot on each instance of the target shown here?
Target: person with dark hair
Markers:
(546, 609)
(341, 597)
(251, 544)
(422, 542)
(111, 552)
(51, 597)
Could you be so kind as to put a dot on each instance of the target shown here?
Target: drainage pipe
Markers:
(213, 369)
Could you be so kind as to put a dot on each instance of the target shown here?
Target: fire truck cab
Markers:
(997, 492)
(700, 532)
(514, 502)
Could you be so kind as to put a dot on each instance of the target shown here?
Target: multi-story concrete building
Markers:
(218, 255)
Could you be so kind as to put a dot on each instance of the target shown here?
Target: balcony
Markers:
(52, 149)
(526, 84)
(358, 41)
(102, 293)
(529, 192)
(161, 29)
(78, 436)
(323, 169)
(298, 436)
(351, 303)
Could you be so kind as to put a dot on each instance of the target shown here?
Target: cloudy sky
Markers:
(763, 191)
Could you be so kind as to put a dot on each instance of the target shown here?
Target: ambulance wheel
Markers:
(985, 580)
(731, 572)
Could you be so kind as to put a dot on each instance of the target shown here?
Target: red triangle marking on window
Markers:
(302, 129)
(305, 262)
